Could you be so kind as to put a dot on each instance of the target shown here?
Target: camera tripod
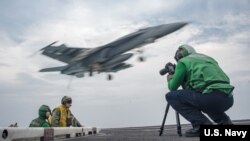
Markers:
(177, 122)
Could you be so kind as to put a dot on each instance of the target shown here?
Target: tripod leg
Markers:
(178, 124)
(164, 119)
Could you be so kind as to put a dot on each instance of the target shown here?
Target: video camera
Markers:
(169, 68)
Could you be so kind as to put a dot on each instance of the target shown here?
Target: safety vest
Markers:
(205, 75)
(64, 115)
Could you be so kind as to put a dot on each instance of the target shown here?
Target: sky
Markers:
(136, 96)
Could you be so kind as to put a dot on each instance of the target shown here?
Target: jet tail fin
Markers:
(53, 69)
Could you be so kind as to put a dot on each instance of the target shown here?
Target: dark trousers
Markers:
(191, 105)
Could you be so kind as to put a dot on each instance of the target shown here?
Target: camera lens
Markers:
(163, 71)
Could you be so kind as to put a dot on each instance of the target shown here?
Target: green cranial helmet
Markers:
(187, 50)
(43, 109)
(66, 99)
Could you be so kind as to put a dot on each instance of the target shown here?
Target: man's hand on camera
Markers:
(169, 77)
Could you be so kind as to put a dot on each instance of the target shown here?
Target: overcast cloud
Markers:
(136, 96)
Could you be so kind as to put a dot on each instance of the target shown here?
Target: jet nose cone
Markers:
(180, 24)
(176, 26)
(169, 28)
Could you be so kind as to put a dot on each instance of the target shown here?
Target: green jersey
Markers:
(201, 73)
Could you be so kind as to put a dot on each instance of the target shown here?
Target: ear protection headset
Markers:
(178, 54)
(66, 99)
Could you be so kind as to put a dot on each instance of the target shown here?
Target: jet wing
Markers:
(117, 67)
(106, 48)
(53, 69)
(62, 52)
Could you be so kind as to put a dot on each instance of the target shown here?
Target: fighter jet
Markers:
(109, 58)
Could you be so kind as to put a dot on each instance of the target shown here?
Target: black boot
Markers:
(194, 132)
(225, 122)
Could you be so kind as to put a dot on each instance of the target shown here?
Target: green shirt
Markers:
(39, 122)
(201, 73)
